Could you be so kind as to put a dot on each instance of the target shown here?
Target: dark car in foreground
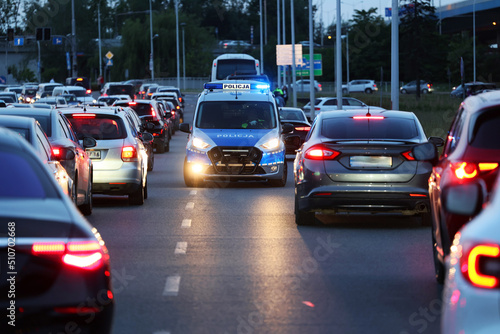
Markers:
(354, 161)
(471, 154)
(301, 127)
(61, 262)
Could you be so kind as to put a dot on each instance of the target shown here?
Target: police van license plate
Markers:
(94, 154)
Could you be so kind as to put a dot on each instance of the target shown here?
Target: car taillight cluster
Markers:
(302, 128)
(481, 266)
(408, 155)
(468, 170)
(320, 152)
(129, 154)
(87, 255)
(153, 112)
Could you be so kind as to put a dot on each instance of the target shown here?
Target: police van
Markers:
(235, 135)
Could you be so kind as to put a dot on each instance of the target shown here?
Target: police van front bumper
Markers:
(244, 163)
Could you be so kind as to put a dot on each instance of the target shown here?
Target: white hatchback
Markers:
(471, 295)
(330, 104)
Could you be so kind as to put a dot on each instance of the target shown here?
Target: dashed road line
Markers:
(172, 285)
(190, 206)
(161, 332)
(193, 192)
(181, 247)
(186, 223)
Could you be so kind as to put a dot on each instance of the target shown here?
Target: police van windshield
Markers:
(236, 115)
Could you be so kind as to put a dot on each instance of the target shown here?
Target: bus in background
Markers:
(233, 63)
(79, 81)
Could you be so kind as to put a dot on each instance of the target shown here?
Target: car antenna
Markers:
(368, 112)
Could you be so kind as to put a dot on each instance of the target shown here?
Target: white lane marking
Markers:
(181, 247)
(190, 206)
(193, 192)
(161, 332)
(186, 223)
(172, 286)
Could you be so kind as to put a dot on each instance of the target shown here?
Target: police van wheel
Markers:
(280, 182)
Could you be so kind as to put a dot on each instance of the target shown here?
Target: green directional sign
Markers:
(304, 69)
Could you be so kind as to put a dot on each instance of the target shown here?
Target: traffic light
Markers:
(10, 34)
(39, 34)
(46, 34)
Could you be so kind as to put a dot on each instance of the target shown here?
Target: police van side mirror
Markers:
(184, 127)
(287, 128)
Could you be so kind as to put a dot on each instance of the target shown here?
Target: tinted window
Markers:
(44, 123)
(291, 115)
(485, 133)
(21, 177)
(227, 67)
(7, 99)
(100, 127)
(387, 128)
(25, 133)
(121, 89)
(236, 115)
(142, 109)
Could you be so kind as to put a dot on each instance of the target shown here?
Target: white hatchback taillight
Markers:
(129, 153)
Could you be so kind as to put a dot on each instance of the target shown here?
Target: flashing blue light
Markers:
(262, 86)
(212, 86)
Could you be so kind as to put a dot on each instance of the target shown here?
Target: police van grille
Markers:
(235, 160)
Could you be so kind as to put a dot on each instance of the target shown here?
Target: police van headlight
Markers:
(200, 144)
(272, 144)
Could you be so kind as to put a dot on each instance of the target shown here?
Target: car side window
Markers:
(332, 102)
(353, 103)
(63, 127)
(454, 135)
(44, 142)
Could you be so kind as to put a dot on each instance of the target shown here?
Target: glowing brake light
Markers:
(177, 107)
(153, 112)
(129, 154)
(303, 128)
(133, 103)
(83, 115)
(82, 254)
(487, 166)
(464, 170)
(89, 91)
(480, 265)
(319, 152)
(56, 151)
(368, 117)
(79, 79)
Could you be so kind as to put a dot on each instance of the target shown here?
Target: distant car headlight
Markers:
(200, 144)
(271, 144)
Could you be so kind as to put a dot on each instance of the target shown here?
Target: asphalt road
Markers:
(228, 258)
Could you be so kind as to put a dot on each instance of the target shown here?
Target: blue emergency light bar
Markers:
(235, 86)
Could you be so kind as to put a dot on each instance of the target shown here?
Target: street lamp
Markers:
(183, 58)
(151, 56)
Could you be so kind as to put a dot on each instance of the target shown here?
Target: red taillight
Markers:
(82, 254)
(408, 155)
(153, 112)
(368, 117)
(133, 103)
(129, 153)
(83, 115)
(374, 86)
(319, 152)
(464, 170)
(173, 112)
(487, 166)
(89, 91)
(104, 94)
(180, 99)
(317, 108)
(215, 64)
(302, 128)
(177, 107)
(56, 152)
(479, 266)
(319, 85)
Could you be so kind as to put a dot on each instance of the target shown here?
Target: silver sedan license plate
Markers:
(371, 161)
(94, 154)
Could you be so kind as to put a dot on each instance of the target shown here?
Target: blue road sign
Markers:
(68, 63)
(109, 62)
(57, 40)
(3, 79)
(19, 41)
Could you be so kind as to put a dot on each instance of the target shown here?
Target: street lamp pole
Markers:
(100, 51)
(261, 41)
(151, 55)
(474, 35)
(294, 75)
(177, 41)
(183, 24)
(338, 59)
(279, 39)
(73, 38)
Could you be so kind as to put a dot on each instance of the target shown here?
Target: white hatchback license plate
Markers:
(371, 161)
(94, 154)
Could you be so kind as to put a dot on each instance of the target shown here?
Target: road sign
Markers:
(68, 63)
(306, 66)
(109, 62)
(284, 54)
(56, 40)
(19, 41)
(109, 55)
(3, 79)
